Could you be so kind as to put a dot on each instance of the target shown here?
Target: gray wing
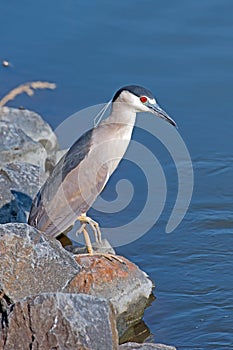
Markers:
(66, 194)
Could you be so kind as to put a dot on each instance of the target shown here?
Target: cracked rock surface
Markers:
(32, 263)
(60, 321)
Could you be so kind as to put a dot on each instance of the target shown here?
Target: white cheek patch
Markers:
(126, 97)
(152, 101)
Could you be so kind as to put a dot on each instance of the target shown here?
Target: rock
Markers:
(99, 247)
(27, 137)
(19, 183)
(145, 346)
(32, 125)
(122, 283)
(32, 262)
(16, 146)
(61, 321)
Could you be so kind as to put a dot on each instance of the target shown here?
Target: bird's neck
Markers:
(120, 114)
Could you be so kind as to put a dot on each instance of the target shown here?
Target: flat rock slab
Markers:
(32, 263)
(146, 346)
(122, 283)
(60, 321)
(19, 183)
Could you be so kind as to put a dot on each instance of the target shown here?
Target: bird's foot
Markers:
(94, 225)
(87, 239)
(110, 257)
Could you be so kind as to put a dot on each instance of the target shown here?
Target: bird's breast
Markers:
(110, 143)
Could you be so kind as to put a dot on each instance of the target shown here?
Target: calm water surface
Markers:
(183, 51)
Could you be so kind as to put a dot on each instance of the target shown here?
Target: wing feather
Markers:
(70, 190)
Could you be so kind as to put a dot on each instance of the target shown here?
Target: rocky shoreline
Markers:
(51, 298)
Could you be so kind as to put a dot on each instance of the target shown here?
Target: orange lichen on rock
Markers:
(98, 271)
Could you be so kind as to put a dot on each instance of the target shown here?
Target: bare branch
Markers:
(27, 88)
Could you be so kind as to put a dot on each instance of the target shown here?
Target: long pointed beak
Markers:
(159, 112)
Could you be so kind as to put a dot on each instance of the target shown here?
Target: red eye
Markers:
(143, 99)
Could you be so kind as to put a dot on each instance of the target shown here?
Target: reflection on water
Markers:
(137, 333)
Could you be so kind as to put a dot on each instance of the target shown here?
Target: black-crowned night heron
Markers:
(82, 173)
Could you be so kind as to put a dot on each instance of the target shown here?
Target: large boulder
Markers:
(60, 321)
(116, 279)
(32, 262)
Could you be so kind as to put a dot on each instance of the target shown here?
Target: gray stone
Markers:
(98, 247)
(145, 346)
(37, 130)
(15, 146)
(32, 262)
(61, 321)
(117, 280)
(32, 125)
(19, 183)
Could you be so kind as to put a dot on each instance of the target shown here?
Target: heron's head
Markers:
(140, 99)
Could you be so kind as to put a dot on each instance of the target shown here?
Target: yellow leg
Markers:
(88, 241)
(84, 220)
(94, 225)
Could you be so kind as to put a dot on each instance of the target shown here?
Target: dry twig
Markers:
(27, 88)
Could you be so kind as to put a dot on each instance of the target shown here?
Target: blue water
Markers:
(183, 51)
